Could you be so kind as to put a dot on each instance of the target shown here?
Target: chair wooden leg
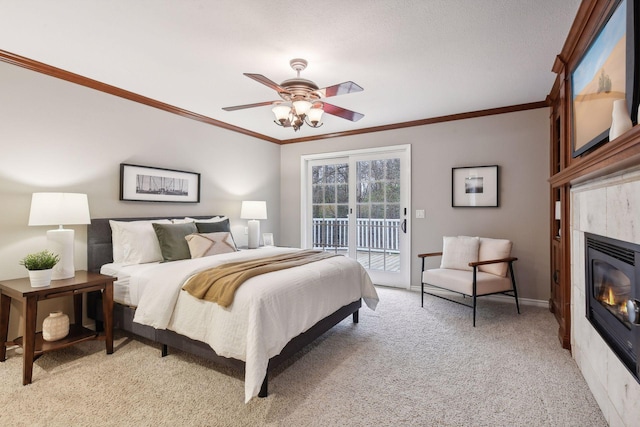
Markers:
(422, 295)
(475, 295)
(474, 311)
(513, 283)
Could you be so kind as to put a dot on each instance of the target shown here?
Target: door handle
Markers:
(403, 226)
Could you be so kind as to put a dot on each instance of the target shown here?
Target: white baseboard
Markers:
(497, 297)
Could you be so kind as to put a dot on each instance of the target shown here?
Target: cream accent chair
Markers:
(473, 267)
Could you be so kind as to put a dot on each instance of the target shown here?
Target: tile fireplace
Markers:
(606, 206)
(612, 289)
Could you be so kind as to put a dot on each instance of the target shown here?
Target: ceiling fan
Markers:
(302, 99)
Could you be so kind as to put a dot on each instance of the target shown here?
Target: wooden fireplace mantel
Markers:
(614, 156)
(565, 170)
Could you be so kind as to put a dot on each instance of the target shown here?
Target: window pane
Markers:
(377, 170)
(393, 192)
(377, 192)
(393, 212)
(330, 174)
(342, 173)
(343, 211)
(362, 193)
(342, 193)
(393, 169)
(329, 194)
(329, 212)
(316, 174)
(318, 194)
(377, 211)
(362, 211)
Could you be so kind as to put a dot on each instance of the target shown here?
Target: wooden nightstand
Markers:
(33, 343)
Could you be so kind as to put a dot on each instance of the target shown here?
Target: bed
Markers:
(272, 317)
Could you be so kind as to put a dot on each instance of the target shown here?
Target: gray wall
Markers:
(517, 142)
(58, 136)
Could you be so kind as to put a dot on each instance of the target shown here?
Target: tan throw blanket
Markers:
(219, 284)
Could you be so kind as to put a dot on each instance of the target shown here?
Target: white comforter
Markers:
(267, 311)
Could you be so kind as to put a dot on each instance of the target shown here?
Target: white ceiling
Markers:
(415, 59)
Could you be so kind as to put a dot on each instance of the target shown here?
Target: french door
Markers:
(357, 203)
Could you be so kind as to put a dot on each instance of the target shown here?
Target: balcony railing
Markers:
(371, 234)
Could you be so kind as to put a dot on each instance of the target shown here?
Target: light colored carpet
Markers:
(401, 365)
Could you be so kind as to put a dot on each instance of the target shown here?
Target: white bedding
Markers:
(124, 292)
(267, 311)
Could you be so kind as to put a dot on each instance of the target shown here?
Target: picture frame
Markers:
(475, 186)
(150, 184)
(267, 239)
(605, 72)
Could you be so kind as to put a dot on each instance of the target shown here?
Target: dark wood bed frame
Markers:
(100, 252)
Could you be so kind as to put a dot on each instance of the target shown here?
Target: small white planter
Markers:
(40, 278)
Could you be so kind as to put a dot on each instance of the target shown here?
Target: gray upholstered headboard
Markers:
(99, 246)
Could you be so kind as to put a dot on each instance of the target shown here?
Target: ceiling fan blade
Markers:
(342, 112)
(242, 107)
(265, 81)
(339, 89)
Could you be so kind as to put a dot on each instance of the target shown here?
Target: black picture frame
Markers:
(475, 187)
(594, 88)
(151, 184)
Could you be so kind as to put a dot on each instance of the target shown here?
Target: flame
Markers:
(609, 299)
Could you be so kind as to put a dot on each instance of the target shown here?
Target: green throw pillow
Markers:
(172, 240)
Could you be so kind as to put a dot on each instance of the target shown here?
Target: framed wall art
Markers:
(149, 184)
(605, 73)
(474, 186)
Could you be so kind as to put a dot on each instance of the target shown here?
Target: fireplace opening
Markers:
(612, 289)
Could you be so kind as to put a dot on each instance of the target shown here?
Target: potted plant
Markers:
(40, 266)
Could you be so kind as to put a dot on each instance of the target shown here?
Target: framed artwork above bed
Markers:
(150, 184)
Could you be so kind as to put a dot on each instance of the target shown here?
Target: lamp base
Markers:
(60, 241)
(254, 234)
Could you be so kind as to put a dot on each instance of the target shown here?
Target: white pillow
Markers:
(494, 249)
(206, 244)
(189, 219)
(135, 242)
(458, 252)
(213, 219)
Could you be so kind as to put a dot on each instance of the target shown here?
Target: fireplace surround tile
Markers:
(623, 205)
(593, 205)
(624, 394)
(607, 206)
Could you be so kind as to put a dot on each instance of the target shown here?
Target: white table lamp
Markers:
(253, 211)
(60, 209)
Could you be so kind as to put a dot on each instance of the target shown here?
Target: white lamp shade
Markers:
(302, 107)
(315, 115)
(253, 210)
(59, 209)
(281, 111)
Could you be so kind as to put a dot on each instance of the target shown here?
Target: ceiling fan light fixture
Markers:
(301, 100)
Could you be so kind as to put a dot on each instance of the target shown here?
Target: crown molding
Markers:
(30, 64)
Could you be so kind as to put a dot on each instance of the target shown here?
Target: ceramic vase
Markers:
(55, 326)
(40, 278)
(620, 119)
